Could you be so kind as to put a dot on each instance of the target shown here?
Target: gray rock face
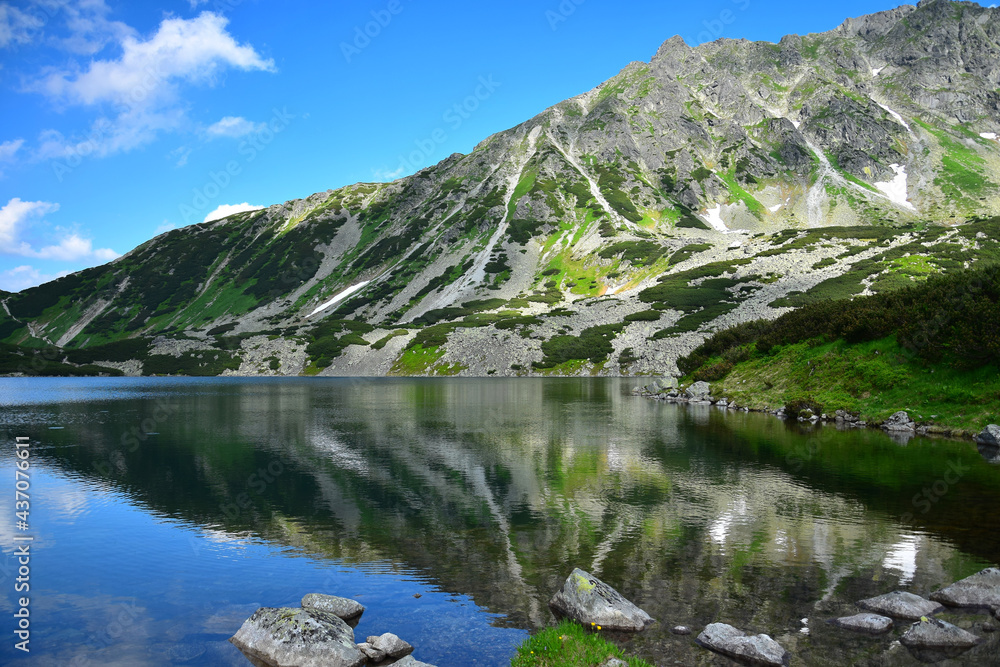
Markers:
(589, 600)
(371, 652)
(935, 639)
(747, 649)
(410, 661)
(343, 608)
(989, 436)
(980, 590)
(390, 644)
(287, 637)
(697, 391)
(899, 422)
(871, 623)
(901, 604)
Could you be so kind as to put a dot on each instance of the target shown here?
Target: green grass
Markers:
(569, 645)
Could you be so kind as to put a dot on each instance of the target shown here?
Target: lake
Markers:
(165, 511)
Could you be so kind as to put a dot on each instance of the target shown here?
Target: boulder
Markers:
(989, 436)
(613, 662)
(901, 604)
(371, 652)
(698, 390)
(589, 600)
(344, 608)
(934, 639)
(870, 623)
(410, 661)
(744, 648)
(980, 590)
(900, 421)
(287, 637)
(680, 630)
(390, 644)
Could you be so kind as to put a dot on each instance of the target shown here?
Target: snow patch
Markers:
(714, 217)
(895, 189)
(343, 295)
(795, 123)
(775, 208)
(899, 119)
(988, 135)
(876, 71)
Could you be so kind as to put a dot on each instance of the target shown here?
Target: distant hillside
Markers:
(608, 235)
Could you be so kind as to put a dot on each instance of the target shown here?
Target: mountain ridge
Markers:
(661, 195)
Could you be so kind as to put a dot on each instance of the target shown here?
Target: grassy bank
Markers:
(932, 349)
(569, 645)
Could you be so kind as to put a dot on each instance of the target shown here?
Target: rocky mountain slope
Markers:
(608, 234)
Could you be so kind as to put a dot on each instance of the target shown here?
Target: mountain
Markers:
(607, 235)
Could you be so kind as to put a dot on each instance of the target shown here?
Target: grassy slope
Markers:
(931, 349)
(569, 645)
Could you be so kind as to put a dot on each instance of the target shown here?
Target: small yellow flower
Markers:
(592, 623)
(598, 627)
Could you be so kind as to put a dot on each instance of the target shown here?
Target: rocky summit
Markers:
(607, 235)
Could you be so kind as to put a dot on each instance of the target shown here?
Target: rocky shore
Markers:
(900, 424)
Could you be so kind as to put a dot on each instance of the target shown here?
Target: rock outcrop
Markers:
(589, 600)
(981, 590)
(738, 645)
(901, 604)
(286, 637)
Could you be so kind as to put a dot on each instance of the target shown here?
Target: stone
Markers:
(390, 644)
(736, 644)
(613, 662)
(410, 661)
(934, 639)
(344, 608)
(901, 604)
(900, 421)
(866, 622)
(980, 590)
(589, 600)
(989, 436)
(698, 390)
(371, 652)
(680, 630)
(288, 637)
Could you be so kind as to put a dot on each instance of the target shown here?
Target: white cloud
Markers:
(383, 174)
(143, 83)
(71, 247)
(16, 26)
(164, 227)
(9, 148)
(234, 127)
(23, 277)
(230, 209)
(180, 155)
(14, 215)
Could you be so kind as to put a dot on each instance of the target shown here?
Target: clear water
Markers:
(164, 511)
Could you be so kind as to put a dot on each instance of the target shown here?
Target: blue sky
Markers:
(120, 120)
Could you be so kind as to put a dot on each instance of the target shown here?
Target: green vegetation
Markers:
(193, 362)
(932, 349)
(593, 344)
(330, 338)
(687, 252)
(569, 645)
(638, 253)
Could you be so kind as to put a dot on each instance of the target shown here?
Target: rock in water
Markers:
(741, 647)
(410, 661)
(980, 590)
(871, 623)
(343, 608)
(934, 639)
(589, 600)
(900, 604)
(287, 637)
(989, 436)
(899, 422)
(698, 390)
(390, 644)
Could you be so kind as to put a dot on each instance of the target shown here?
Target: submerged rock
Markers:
(865, 622)
(390, 644)
(589, 600)
(344, 608)
(934, 639)
(901, 604)
(980, 590)
(989, 436)
(741, 647)
(287, 637)
(680, 630)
